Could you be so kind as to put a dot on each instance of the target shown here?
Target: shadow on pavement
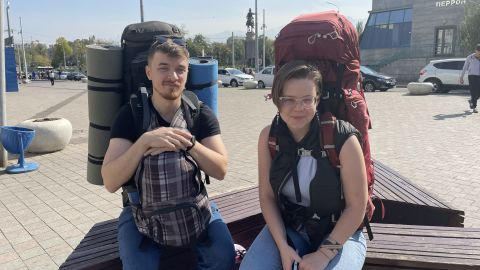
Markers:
(455, 115)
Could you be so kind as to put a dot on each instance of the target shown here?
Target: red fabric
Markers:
(328, 39)
(293, 43)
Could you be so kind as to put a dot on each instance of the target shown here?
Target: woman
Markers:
(313, 211)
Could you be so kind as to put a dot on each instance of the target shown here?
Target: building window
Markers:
(387, 29)
(444, 38)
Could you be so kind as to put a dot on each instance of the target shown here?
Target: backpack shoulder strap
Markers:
(140, 110)
(272, 138)
(193, 105)
(327, 129)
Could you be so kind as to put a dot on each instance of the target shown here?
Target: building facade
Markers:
(402, 36)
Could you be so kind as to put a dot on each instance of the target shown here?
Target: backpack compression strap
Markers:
(327, 125)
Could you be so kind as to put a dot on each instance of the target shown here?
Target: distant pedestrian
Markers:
(51, 77)
(472, 64)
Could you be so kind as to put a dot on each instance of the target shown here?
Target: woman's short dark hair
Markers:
(295, 70)
(169, 48)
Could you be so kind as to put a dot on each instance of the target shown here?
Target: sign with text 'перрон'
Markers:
(450, 3)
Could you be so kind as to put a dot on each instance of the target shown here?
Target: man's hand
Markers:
(166, 139)
(461, 80)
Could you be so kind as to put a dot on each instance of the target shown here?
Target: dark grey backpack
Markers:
(174, 209)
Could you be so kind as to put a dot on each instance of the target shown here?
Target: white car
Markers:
(232, 77)
(265, 77)
(444, 74)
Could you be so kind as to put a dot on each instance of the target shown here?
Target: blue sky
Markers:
(46, 20)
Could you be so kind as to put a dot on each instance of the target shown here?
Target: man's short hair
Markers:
(477, 47)
(169, 48)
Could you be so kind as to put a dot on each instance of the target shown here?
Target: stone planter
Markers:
(51, 134)
(415, 88)
(250, 84)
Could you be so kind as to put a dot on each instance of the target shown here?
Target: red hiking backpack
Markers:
(330, 41)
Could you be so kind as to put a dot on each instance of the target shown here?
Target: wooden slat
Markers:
(401, 185)
(423, 247)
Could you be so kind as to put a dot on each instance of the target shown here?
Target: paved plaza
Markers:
(432, 140)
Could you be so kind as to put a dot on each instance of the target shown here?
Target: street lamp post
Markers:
(256, 38)
(64, 60)
(330, 3)
(263, 28)
(8, 19)
(24, 58)
(3, 88)
(233, 50)
(141, 10)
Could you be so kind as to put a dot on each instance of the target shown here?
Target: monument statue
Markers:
(250, 21)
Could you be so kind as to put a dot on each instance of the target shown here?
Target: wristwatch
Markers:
(192, 141)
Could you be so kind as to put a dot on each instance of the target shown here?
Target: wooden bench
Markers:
(407, 203)
(423, 247)
(241, 211)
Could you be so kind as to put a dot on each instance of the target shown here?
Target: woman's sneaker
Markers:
(475, 110)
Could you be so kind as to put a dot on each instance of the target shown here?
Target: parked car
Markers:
(232, 77)
(79, 77)
(444, 74)
(63, 75)
(265, 77)
(373, 80)
(76, 76)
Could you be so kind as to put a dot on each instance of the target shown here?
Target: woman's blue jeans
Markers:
(263, 254)
(216, 254)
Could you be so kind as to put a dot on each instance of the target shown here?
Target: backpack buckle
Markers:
(323, 154)
(302, 152)
(327, 96)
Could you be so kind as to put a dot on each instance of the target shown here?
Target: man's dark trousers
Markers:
(474, 83)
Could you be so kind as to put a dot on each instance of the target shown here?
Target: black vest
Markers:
(326, 200)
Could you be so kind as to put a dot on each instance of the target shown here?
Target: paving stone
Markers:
(42, 262)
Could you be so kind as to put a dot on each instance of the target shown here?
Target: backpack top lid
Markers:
(325, 38)
(145, 31)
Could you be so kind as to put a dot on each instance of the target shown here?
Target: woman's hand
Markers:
(314, 261)
(288, 255)
(166, 139)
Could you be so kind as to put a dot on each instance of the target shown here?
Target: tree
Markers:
(61, 49)
(79, 52)
(469, 30)
(197, 44)
(359, 28)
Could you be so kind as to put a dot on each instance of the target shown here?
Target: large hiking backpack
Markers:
(330, 41)
(136, 41)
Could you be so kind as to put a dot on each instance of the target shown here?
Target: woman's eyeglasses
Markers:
(159, 40)
(291, 102)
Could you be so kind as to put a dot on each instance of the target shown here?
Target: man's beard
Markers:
(171, 92)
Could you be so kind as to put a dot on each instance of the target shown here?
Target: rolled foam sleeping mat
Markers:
(202, 80)
(105, 98)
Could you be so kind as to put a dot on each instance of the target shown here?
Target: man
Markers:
(472, 64)
(167, 68)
